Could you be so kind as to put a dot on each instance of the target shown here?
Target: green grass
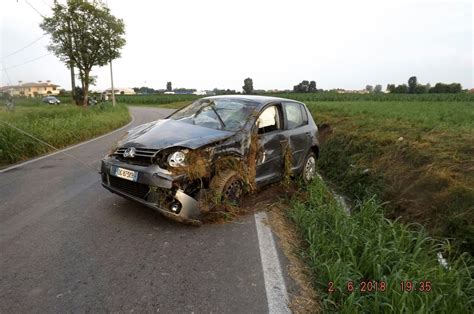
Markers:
(417, 156)
(159, 99)
(365, 246)
(155, 100)
(59, 126)
(172, 105)
(424, 115)
(332, 96)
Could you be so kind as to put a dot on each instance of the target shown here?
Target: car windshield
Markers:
(219, 114)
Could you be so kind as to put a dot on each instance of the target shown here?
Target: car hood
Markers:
(168, 133)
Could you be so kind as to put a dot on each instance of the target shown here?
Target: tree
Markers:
(248, 86)
(369, 88)
(420, 89)
(391, 88)
(446, 88)
(378, 88)
(454, 88)
(85, 34)
(144, 90)
(218, 91)
(305, 87)
(169, 87)
(401, 89)
(412, 82)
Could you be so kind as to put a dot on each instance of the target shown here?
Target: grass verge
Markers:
(154, 100)
(416, 156)
(365, 246)
(59, 126)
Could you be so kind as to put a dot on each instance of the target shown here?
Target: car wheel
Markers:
(227, 186)
(309, 168)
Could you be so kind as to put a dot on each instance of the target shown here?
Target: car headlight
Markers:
(176, 159)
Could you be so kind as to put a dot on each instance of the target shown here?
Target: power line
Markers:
(47, 4)
(29, 61)
(21, 49)
(34, 8)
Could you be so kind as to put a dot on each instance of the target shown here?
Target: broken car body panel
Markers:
(211, 129)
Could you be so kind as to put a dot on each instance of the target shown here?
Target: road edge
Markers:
(275, 288)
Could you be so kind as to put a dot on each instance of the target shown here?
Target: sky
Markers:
(210, 44)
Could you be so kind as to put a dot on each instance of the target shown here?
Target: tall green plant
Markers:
(346, 252)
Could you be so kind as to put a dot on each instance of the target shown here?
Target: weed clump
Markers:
(253, 156)
(287, 163)
(197, 165)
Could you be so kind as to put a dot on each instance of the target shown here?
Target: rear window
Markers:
(296, 115)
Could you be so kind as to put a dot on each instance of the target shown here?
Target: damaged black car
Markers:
(219, 147)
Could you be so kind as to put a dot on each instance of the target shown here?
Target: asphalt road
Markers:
(69, 245)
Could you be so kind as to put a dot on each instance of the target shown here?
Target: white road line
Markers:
(277, 296)
(66, 149)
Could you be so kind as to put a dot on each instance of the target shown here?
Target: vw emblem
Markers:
(129, 152)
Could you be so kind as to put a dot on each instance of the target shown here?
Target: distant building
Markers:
(168, 93)
(120, 91)
(32, 89)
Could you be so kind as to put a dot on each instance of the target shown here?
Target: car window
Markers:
(295, 115)
(221, 114)
(269, 120)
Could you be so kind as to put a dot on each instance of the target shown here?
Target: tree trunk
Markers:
(85, 84)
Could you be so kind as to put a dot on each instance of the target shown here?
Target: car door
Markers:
(298, 132)
(271, 141)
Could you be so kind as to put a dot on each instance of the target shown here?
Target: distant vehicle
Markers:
(167, 163)
(51, 100)
(169, 93)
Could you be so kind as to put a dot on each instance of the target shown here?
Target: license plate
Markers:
(126, 174)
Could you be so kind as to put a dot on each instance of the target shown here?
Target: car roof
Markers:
(260, 100)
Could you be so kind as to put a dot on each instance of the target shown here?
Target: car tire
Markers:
(308, 172)
(227, 186)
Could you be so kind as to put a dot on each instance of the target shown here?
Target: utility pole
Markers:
(71, 66)
(111, 71)
(112, 83)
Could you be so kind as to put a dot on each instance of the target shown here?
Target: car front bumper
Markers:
(154, 187)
